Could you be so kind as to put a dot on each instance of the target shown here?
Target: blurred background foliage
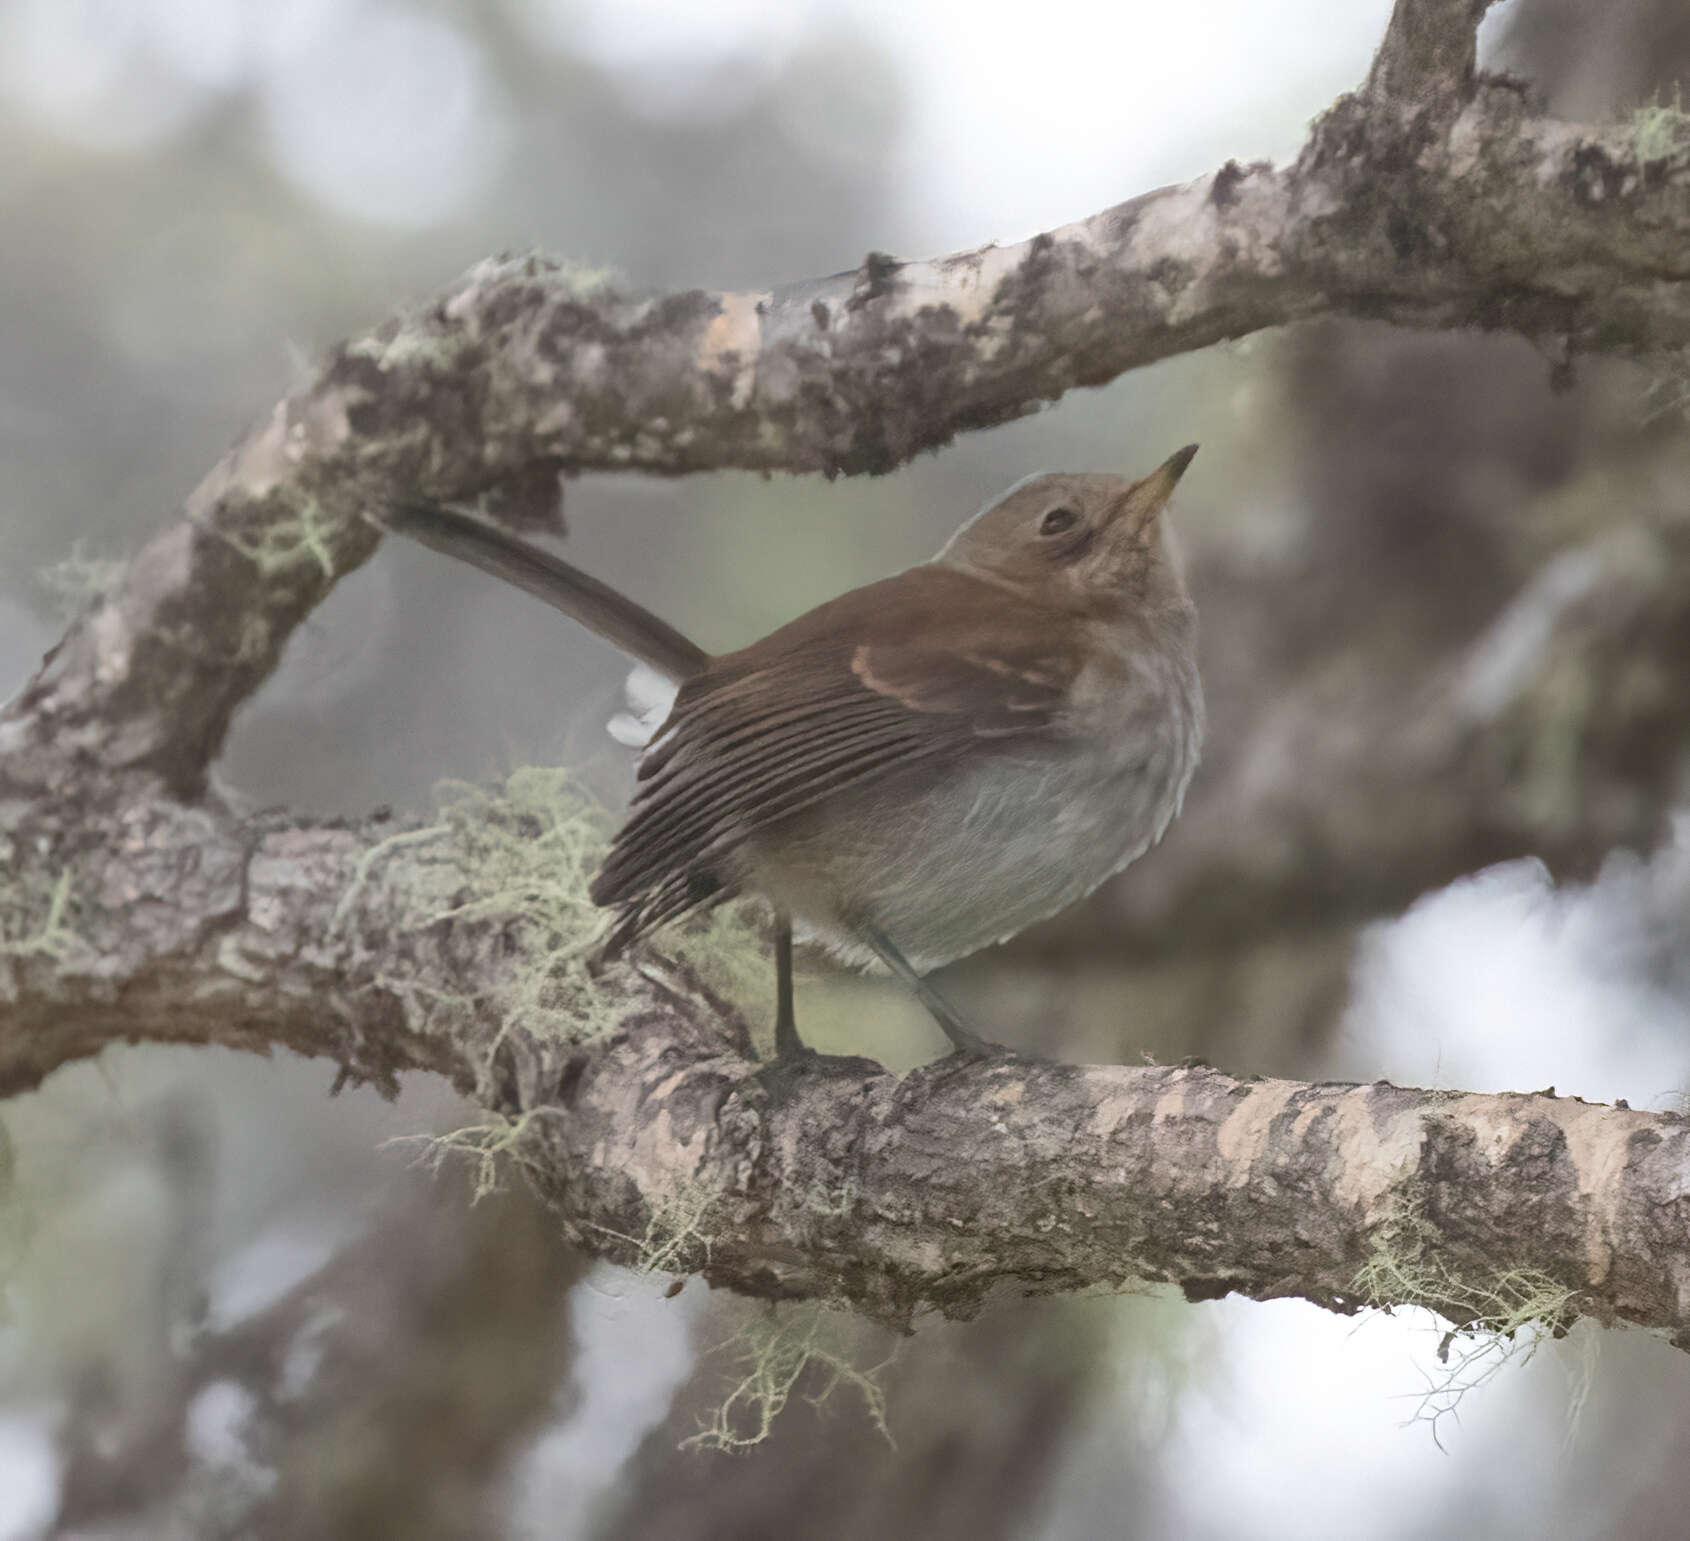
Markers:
(233, 1310)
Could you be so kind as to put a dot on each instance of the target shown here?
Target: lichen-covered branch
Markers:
(659, 1142)
(458, 947)
(135, 905)
(930, 1191)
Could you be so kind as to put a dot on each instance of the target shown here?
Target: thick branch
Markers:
(194, 926)
(928, 1192)
(897, 1195)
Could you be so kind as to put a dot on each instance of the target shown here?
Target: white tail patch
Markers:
(648, 695)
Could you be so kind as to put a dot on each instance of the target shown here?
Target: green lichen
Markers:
(528, 851)
(1660, 128)
(280, 543)
(36, 917)
(814, 1350)
(831, 1200)
(410, 344)
(811, 1351)
(521, 857)
(1499, 1319)
(676, 1239)
(486, 1149)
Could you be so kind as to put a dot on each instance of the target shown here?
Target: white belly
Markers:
(948, 869)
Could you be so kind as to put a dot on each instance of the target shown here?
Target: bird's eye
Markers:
(1058, 520)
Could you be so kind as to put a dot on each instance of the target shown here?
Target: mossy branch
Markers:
(631, 1100)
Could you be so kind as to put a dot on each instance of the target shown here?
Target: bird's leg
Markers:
(788, 1045)
(964, 1039)
(794, 1059)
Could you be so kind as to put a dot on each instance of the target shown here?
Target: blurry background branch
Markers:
(444, 1330)
(1531, 707)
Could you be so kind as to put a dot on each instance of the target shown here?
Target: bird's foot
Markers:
(967, 1046)
(786, 1072)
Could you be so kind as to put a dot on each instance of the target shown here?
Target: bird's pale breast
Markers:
(1009, 837)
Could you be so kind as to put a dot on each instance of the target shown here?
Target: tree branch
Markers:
(138, 906)
(896, 1195)
(1429, 52)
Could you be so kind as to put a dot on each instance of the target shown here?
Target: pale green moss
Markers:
(729, 949)
(281, 544)
(772, 1356)
(831, 1201)
(676, 1239)
(1502, 1318)
(527, 852)
(1402, 1270)
(1660, 128)
(523, 855)
(486, 1149)
(35, 920)
(409, 346)
(586, 278)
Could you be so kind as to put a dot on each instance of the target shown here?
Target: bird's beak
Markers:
(1162, 481)
(1144, 500)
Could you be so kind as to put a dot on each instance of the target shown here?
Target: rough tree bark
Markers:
(140, 905)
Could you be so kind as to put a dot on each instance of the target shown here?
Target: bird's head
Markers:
(1081, 540)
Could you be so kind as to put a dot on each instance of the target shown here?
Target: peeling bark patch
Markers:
(1244, 1136)
(1023, 293)
(732, 343)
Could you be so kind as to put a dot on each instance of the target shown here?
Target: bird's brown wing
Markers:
(927, 666)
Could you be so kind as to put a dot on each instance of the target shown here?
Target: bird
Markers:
(922, 766)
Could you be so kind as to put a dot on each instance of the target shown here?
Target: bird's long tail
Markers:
(536, 571)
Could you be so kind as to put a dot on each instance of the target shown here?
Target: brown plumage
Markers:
(923, 765)
(916, 670)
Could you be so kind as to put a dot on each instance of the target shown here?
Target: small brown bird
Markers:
(921, 766)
